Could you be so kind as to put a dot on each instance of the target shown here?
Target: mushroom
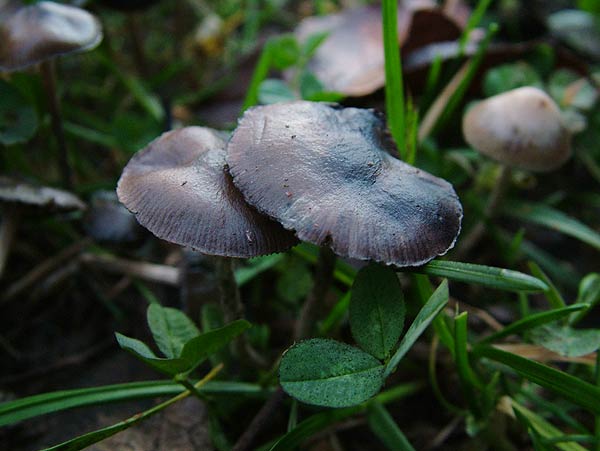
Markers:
(179, 188)
(18, 197)
(519, 128)
(38, 33)
(327, 173)
(351, 59)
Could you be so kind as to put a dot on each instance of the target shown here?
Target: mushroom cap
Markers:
(178, 187)
(326, 173)
(351, 59)
(33, 33)
(521, 128)
(13, 191)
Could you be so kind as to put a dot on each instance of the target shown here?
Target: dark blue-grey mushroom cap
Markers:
(327, 173)
(30, 34)
(178, 187)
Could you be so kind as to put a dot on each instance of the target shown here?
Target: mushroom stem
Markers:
(323, 278)
(230, 298)
(233, 308)
(48, 72)
(494, 202)
(10, 222)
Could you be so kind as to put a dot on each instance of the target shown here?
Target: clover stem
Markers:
(491, 210)
(323, 279)
(48, 73)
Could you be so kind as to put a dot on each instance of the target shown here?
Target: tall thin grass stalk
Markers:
(394, 87)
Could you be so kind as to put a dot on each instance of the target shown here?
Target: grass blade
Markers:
(569, 387)
(553, 219)
(532, 321)
(490, 276)
(383, 426)
(394, 88)
(83, 441)
(32, 406)
(552, 294)
(426, 315)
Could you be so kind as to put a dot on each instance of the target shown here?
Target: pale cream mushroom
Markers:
(520, 128)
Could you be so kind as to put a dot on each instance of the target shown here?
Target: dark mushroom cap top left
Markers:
(33, 33)
(179, 188)
(326, 173)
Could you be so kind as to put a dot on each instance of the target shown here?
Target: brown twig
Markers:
(43, 269)
(262, 418)
(152, 272)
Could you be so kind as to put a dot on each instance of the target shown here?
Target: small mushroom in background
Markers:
(351, 59)
(521, 128)
(327, 173)
(179, 188)
(38, 33)
(18, 198)
(106, 220)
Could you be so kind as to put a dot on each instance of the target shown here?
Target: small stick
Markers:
(152, 272)
(44, 268)
(48, 72)
(262, 418)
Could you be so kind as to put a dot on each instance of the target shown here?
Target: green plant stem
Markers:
(394, 85)
(48, 72)
(185, 381)
(96, 436)
(493, 205)
(323, 279)
(260, 73)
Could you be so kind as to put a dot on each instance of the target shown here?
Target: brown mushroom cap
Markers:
(33, 33)
(326, 173)
(17, 192)
(351, 59)
(179, 189)
(521, 128)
